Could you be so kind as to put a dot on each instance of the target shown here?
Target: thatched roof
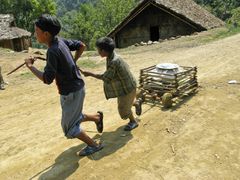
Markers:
(186, 10)
(193, 12)
(13, 33)
(8, 29)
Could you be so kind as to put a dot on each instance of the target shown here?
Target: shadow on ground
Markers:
(68, 161)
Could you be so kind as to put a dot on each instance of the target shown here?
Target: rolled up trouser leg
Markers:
(125, 104)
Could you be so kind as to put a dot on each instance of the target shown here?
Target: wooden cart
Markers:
(166, 88)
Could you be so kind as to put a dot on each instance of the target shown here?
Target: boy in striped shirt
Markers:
(118, 81)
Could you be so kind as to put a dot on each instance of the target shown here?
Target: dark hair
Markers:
(48, 23)
(106, 43)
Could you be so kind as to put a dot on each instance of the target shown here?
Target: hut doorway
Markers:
(154, 33)
(17, 44)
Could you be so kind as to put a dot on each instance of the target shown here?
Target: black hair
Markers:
(48, 23)
(106, 43)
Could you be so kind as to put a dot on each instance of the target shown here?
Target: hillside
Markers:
(63, 6)
(197, 139)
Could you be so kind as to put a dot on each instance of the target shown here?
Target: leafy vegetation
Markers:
(220, 8)
(93, 20)
(235, 19)
(90, 19)
(220, 34)
(64, 6)
(26, 11)
(87, 63)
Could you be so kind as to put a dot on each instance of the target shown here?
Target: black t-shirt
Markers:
(61, 66)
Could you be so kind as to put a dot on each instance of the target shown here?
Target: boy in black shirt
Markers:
(62, 67)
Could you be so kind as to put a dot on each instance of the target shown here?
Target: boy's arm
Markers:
(88, 73)
(75, 45)
(107, 76)
(35, 71)
(49, 73)
(79, 52)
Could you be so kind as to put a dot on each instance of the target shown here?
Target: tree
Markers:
(112, 12)
(64, 6)
(79, 24)
(93, 20)
(221, 9)
(26, 11)
(235, 19)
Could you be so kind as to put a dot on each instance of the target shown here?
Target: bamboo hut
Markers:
(162, 19)
(12, 37)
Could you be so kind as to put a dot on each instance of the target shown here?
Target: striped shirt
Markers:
(118, 80)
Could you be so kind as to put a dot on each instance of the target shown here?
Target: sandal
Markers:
(88, 150)
(130, 126)
(100, 123)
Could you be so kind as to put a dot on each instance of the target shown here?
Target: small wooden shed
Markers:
(12, 37)
(162, 19)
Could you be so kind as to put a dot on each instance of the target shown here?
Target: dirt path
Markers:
(199, 139)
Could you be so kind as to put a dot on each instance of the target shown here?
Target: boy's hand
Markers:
(29, 62)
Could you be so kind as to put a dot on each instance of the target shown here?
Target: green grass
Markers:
(87, 63)
(221, 33)
(5, 50)
(89, 53)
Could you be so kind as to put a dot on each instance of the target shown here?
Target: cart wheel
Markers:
(167, 100)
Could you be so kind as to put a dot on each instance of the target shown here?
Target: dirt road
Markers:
(197, 139)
